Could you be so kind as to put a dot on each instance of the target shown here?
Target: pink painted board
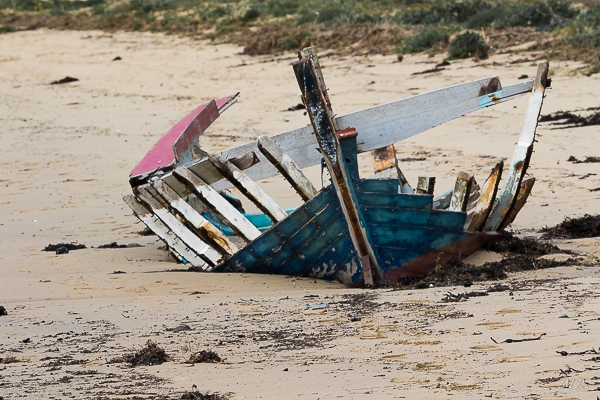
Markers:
(162, 153)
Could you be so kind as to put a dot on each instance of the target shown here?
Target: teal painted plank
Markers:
(377, 185)
(421, 239)
(393, 216)
(395, 200)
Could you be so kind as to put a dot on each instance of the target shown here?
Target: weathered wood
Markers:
(522, 154)
(378, 126)
(249, 188)
(328, 136)
(473, 197)
(218, 204)
(175, 244)
(442, 202)
(206, 229)
(425, 185)
(462, 190)
(386, 167)
(203, 249)
(522, 196)
(476, 220)
(287, 167)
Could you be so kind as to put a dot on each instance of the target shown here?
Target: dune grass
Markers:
(562, 29)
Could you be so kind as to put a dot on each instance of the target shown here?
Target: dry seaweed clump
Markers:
(196, 395)
(151, 354)
(510, 243)
(204, 356)
(574, 228)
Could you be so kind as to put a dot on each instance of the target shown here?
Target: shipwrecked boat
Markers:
(354, 230)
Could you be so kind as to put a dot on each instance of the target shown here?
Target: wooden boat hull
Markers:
(354, 230)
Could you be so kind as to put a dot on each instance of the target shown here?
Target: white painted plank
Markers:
(217, 203)
(377, 127)
(193, 217)
(249, 188)
(523, 151)
(205, 251)
(287, 167)
(164, 233)
(485, 202)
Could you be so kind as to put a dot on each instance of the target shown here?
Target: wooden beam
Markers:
(249, 188)
(386, 167)
(425, 185)
(462, 190)
(177, 246)
(522, 154)
(205, 251)
(476, 220)
(204, 227)
(522, 196)
(287, 167)
(218, 204)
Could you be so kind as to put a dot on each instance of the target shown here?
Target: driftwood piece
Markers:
(519, 340)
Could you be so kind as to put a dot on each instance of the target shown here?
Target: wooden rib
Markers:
(442, 202)
(218, 204)
(476, 220)
(180, 249)
(249, 188)
(522, 154)
(287, 167)
(205, 251)
(462, 190)
(204, 227)
(386, 167)
(425, 185)
(524, 192)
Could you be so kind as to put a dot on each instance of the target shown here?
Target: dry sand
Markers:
(68, 149)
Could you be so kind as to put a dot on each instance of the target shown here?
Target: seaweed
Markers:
(574, 228)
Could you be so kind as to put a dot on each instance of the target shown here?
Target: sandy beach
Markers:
(67, 153)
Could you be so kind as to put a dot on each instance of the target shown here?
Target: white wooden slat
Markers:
(217, 203)
(287, 167)
(523, 151)
(249, 188)
(164, 233)
(193, 217)
(394, 121)
(522, 196)
(200, 247)
(425, 185)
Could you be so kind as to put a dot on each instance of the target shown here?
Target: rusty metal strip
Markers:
(287, 167)
(312, 87)
(200, 247)
(476, 220)
(204, 227)
(218, 204)
(425, 185)
(175, 244)
(462, 190)
(522, 154)
(524, 192)
(386, 167)
(249, 188)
